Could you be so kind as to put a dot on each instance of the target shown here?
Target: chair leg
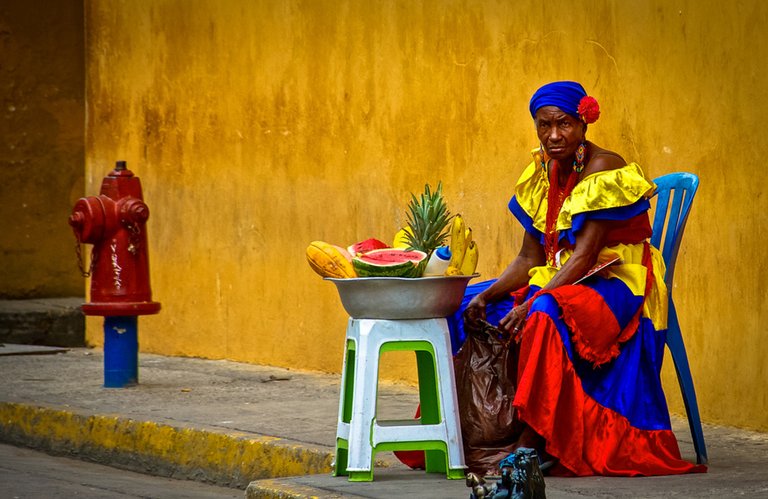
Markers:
(680, 359)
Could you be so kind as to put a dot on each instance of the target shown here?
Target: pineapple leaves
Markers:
(428, 217)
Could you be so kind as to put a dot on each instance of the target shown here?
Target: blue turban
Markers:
(565, 95)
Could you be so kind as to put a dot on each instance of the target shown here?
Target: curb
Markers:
(43, 321)
(281, 489)
(226, 459)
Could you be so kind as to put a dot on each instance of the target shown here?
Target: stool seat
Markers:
(360, 435)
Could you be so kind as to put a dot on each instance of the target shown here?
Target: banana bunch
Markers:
(464, 252)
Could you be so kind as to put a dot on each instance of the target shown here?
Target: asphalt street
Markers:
(28, 474)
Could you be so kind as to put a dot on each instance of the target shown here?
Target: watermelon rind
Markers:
(419, 269)
(409, 268)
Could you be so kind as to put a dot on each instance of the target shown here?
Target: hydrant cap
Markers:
(121, 170)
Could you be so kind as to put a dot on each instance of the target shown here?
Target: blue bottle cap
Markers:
(444, 252)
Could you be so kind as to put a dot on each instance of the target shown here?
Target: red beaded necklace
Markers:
(555, 198)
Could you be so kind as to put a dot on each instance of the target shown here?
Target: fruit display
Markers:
(429, 225)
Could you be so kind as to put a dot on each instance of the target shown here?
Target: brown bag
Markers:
(486, 373)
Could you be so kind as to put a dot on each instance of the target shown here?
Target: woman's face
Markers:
(559, 132)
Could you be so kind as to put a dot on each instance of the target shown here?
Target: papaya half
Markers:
(329, 260)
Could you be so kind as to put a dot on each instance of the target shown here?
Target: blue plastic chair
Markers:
(669, 224)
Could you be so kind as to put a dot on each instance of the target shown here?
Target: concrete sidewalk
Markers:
(271, 431)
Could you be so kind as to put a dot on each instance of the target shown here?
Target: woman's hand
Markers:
(475, 311)
(515, 276)
(514, 321)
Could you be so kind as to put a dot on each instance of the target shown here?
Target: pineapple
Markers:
(428, 218)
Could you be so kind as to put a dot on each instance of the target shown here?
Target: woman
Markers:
(591, 340)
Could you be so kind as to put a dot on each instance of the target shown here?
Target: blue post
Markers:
(121, 352)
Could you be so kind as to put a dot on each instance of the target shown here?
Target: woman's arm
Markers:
(515, 276)
(589, 241)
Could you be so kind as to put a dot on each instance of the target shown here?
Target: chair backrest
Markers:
(670, 217)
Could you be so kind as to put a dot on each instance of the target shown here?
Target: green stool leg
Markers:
(342, 458)
(436, 460)
(348, 383)
(347, 389)
(361, 476)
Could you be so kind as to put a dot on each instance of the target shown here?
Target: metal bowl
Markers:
(402, 297)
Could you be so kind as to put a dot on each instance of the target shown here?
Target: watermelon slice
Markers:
(366, 246)
(390, 262)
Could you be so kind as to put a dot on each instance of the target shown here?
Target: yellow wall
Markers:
(257, 127)
(42, 121)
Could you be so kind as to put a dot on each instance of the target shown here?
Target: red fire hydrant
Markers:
(114, 222)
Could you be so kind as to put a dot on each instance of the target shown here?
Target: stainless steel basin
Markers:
(401, 297)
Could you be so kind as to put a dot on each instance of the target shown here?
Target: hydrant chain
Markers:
(78, 252)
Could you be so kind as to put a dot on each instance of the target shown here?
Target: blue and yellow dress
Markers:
(590, 355)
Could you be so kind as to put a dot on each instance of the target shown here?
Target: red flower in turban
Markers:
(589, 109)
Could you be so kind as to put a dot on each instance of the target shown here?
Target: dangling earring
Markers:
(543, 157)
(578, 165)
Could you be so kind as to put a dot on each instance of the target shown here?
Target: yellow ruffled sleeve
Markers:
(531, 194)
(606, 189)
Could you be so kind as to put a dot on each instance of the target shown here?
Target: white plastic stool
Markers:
(359, 435)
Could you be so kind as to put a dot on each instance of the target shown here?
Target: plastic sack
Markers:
(486, 373)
